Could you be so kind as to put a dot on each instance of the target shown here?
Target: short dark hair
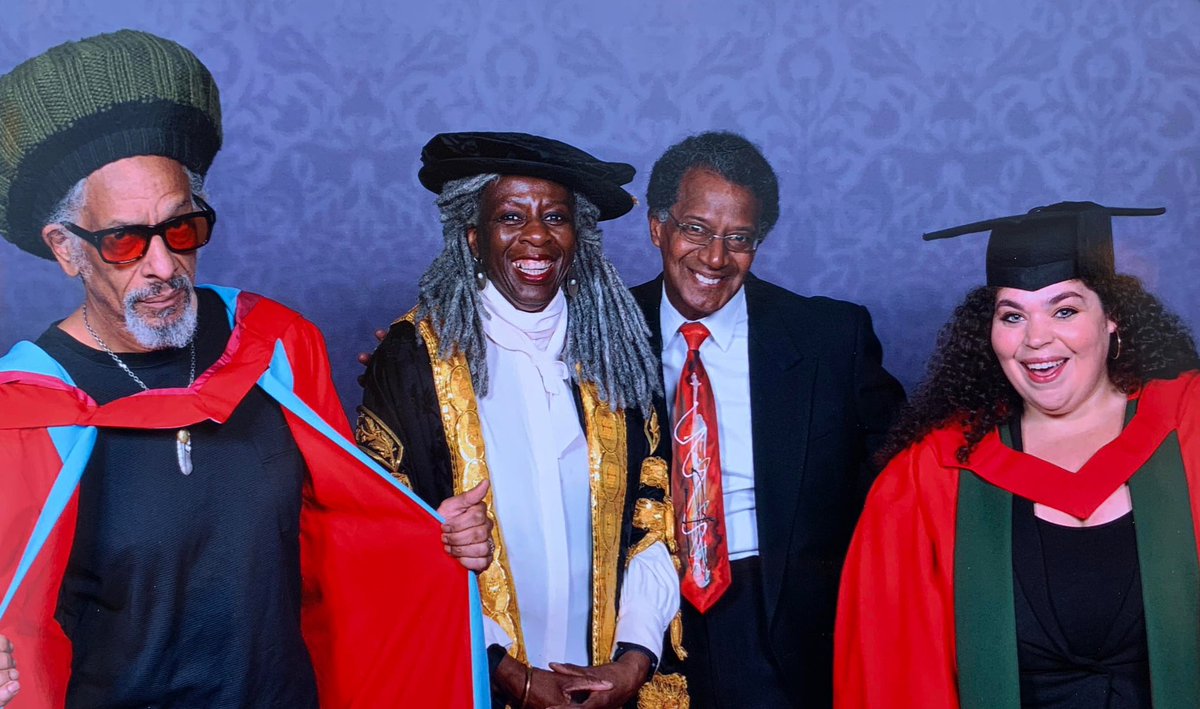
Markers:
(729, 155)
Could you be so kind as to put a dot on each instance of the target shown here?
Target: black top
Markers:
(184, 590)
(1081, 627)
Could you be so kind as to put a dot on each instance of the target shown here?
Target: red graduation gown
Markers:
(895, 634)
(386, 612)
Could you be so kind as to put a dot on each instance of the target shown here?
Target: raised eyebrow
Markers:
(1064, 296)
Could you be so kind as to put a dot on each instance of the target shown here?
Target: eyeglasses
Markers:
(703, 236)
(126, 244)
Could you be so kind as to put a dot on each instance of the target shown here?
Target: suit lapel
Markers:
(781, 386)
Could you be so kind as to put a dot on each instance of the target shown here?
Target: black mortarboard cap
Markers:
(1050, 244)
(452, 156)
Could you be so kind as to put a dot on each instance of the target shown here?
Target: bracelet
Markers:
(528, 682)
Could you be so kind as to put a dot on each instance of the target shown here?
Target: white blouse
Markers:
(538, 460)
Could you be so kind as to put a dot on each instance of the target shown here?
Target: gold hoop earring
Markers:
(1118, 354)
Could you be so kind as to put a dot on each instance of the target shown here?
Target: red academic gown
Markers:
(895, 641)
(388, 616)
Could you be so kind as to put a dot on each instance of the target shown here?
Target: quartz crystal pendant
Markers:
(183, 451)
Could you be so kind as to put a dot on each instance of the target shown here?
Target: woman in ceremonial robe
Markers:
(526, 364)
(1032, 543)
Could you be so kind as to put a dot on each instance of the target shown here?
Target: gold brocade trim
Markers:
(460, 419)
(377, 440)
(657, 519)
(664, 692)
(651, 517)
(655, 473)
(651, 430)
(677, 636)
(608, 463)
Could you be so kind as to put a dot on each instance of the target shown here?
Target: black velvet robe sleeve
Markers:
(398, 392)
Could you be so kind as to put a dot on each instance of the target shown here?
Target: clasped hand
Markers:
(599, 687)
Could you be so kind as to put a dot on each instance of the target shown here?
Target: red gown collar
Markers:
(31, 400)
(1078, 493)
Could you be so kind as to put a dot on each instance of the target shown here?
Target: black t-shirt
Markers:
(184, 591)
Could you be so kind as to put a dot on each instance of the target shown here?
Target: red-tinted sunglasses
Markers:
(126, 244)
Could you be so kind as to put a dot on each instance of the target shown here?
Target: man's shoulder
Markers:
(28, 358)
(247, 310)
(237, 302)
(768, 296)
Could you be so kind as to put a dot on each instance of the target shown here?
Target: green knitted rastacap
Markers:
(81, 105)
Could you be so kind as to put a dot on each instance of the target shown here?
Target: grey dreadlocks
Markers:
(606, 334)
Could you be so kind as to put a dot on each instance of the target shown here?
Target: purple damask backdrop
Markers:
(883, 119)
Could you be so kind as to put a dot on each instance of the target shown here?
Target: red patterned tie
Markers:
(696, 480)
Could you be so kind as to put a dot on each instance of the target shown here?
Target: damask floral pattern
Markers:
(883, 119)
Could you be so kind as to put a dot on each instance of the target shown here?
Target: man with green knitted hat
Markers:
(184, 519)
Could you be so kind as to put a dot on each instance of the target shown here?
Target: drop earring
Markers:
(480, 275)
(572, 284)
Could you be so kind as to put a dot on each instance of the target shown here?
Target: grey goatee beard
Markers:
(166, 329)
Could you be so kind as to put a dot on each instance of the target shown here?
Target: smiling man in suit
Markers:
(796, 392)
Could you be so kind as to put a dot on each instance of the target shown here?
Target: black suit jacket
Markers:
(820, 403)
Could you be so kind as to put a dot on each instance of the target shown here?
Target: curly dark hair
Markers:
(964, 383)
(731, 156)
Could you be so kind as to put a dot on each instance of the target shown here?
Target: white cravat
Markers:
(538, 460)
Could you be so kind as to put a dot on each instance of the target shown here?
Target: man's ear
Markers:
(57, 240)
(656, 235)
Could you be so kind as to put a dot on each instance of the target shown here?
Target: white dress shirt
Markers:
(538, 460)
(726, 357)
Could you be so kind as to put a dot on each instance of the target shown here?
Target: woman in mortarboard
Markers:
(1033, 541)
(526, 364)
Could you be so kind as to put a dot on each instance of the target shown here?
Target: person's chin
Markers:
(531, 297)
(706, 301)
(537, 301)
(1052, 400)
(160, 327)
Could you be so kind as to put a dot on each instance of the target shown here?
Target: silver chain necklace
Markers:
(183, 437)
